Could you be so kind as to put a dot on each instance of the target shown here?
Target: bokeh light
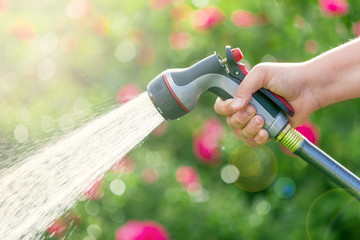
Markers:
(284, 187)
(229, 173)
(257, 167)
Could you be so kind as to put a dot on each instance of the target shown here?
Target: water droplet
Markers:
(153, 158)
(255, 220)
(200, 3)
(92, 208)
(119, 23)
(261, 207)
(125, 51)
(46, 69)
(21, 133)
(117, 187)
(94, 231)
(48, 42)
(229, 174)
(47, 124)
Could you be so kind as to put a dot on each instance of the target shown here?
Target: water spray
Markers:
(176, 92)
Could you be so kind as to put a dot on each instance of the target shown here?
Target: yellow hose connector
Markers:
(290, 138)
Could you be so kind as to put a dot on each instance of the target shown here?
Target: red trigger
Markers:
(243, 69)
(283, 100)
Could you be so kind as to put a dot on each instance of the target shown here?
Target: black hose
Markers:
(329, 167)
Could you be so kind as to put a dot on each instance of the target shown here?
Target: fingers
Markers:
(253, 127)
(223, 108)
(239, 119)
(246, 127)
(255, 80)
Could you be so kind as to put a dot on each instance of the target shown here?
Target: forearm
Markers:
(335, 75)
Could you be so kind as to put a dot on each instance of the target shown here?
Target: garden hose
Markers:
(176, 92)
(303, 148)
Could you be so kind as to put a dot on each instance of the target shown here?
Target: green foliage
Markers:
(88, 74)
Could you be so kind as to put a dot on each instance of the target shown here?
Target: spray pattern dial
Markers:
(175, 92)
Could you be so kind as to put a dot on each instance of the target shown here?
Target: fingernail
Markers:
(257, 121)
(237, 102)
(250, 111)
(262, 134)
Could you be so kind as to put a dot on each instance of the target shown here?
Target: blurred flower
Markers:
(243, 19)
(356, 28)
(159, 4)
(308, 130)
(69, 42)
(76, 8)
(100, 27)
(299, 21)
(150, 175)
(181, 12)
(127, 92)
(23, 30)
(125, 165)
(311, 46)
(95, 192)
(332, 8)
(146, 55)
(188, 177)
(73, 218)
(3, 5)
(206, 144)
(141, 230)
(207, 18)
(160, 130)
(58, 228)
(179, 40)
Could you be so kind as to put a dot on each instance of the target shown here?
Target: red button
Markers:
(237, 54)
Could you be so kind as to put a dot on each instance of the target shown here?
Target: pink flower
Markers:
(125, 165)
(159, 4)
(127, 92)
(146, 55)
(58, 228)
(207, 18)
(181, 12)
(24, 31)
(311, 46)
(308, 130)
(150, 175)
(243, 19)
(3, 5)
(95, 192)
(188, 177)
(356, 28)
(332, 8)
(179, 40)
(73, 218)
(138, 230)
(206, 144)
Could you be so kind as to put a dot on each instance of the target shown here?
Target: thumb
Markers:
(251, 83)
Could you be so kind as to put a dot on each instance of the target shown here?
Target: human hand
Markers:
(289, 80)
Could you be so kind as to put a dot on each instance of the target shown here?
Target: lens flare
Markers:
(257, 167)
(284, 187)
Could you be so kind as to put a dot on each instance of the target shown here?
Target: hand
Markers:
(289, 80)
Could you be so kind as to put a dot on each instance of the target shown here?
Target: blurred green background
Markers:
(63, 62)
